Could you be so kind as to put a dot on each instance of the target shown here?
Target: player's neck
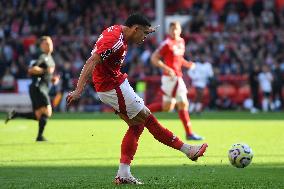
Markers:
(125, 33)
(46, 52)
(174, 38)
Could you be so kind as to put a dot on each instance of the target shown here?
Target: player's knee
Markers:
(49, 111)
(183, 105)
(142, 116)
(49, 114)
(38, 115)
(168, 108)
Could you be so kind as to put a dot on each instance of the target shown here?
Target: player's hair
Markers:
(138, 19)
(174, 23)
(43, 38)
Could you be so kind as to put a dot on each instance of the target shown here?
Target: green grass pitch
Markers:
(83, 152)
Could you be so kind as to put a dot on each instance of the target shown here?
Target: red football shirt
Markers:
(112, 48)
(172, 51)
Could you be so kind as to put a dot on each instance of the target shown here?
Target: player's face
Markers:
(175, 31)
(47, 46)
(140, 34)
(265, 68)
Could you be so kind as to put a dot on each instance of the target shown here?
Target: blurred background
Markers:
(240, 39)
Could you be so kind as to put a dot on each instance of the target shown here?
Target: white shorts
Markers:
(174, 89)
(123, 99)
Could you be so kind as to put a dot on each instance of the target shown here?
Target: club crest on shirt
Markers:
(178, 49)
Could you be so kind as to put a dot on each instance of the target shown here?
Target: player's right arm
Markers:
(156, 61)
(84, 77)
(157, 56)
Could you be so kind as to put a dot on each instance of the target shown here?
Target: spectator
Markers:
(200, 76)
(265, 79)
(277, 85)
(254, 87)
(8, 81)
(235, 38)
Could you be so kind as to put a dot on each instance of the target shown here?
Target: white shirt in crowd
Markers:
(200, 74)
(265, 80)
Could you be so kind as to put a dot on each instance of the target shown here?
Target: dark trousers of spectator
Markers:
(213, 98)
(277, 92)
(255, 97)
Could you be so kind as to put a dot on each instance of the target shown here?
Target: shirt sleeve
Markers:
(163, 48)
(104, 47)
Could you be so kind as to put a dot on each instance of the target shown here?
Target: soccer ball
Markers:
(240, 155)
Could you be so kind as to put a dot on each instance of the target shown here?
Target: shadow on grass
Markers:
(184, 176)
(223, 115)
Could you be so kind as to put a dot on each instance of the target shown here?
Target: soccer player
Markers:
(173, 87)
(41, 72)
(113, 89)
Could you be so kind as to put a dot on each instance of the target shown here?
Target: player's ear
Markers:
(135, 28)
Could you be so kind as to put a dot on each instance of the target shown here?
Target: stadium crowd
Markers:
(237, 38)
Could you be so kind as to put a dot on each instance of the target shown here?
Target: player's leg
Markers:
(129, 146)
(168, 87)
(43, 111)
(28, 115)
(42, 115)
(182, 105)
(156, 107)
(167, 105)
(132, 105)
(127, 105)
(166, 137)
(185, 119)
(14, 114)
(124, 100)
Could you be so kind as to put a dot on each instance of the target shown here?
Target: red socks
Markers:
(184, 117)
(162, 134)
(155, 107)
(129, 143)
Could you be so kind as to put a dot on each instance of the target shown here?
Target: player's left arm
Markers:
(40, 68)
(188, 64)
(36, 70)
(84, 77)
